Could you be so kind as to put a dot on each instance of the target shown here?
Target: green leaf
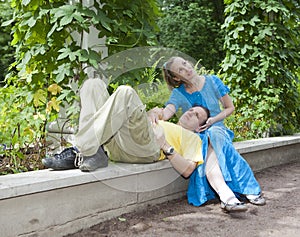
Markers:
(103, 20)
(54, 28)
(7, 23)
(17, 36)
(94, 58)
(64, 53)
(25, 2)
(84, 56)
(72, 56)
(66, 20)
(62, 11)
(78, 17)
(31, 22)
(62, 72)
(39, 98)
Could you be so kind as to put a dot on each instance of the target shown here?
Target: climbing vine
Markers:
(52, 58)
(262, 46)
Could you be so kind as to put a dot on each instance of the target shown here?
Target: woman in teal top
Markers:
(190, 89)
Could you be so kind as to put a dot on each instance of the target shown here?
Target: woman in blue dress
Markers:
(190, 89)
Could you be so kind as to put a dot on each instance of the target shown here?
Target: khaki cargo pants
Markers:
(119, 122)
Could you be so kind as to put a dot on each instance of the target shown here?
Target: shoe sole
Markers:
(258, 203)
(234, 210)
(86, 169)
(239, 208)
(51, 166)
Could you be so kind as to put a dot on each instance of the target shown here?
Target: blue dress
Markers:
(236, 171)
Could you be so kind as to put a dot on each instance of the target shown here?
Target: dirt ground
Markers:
(279, 218)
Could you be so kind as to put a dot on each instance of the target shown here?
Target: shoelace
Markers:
(65, 153)
(78, 159)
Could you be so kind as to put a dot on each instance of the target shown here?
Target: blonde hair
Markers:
(168, 75)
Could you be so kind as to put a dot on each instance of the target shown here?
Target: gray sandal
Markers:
(235, 207)
(259, 200)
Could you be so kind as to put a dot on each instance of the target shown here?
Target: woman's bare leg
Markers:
(216, 180)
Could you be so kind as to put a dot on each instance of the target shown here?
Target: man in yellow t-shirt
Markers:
(119, 125)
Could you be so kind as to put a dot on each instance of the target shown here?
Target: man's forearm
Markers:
(183, 166)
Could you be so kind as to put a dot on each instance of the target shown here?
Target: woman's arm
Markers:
(166, 113)
(228, 110)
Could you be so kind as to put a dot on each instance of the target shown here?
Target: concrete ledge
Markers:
(56, 203)
(267, 152)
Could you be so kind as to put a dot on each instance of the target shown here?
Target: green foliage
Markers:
(6, 51)
(194, 28)
(262, 57)
(133, 70)
(51, 58)
(250, 122)
(21, 132)
(133, 23)
(155, 92)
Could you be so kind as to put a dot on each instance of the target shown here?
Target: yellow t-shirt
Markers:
(185, 142)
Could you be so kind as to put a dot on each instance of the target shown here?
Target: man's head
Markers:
(194, 118)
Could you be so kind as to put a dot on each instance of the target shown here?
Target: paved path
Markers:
(280, 217)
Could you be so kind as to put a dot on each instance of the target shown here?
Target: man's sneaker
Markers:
(99, 160)
(65, 160)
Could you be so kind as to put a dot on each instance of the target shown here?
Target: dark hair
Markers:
(206, 110)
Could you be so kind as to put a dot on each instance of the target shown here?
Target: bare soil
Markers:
(280, 217)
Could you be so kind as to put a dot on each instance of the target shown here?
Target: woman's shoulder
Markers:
(214, 80)
(212, 77)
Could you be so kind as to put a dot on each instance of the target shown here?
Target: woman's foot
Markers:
(256, 199)
(233, 205)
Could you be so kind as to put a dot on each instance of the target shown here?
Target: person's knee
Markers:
(93, 83)
(125, 91)
(217, 133)
(127, 95)
(92, 86)
(216, 129)
(124, 88)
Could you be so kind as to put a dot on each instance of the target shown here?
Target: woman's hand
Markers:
(203, 128)
(210, 121)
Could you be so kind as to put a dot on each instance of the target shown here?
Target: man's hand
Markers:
(155, 114)
(159, 134)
